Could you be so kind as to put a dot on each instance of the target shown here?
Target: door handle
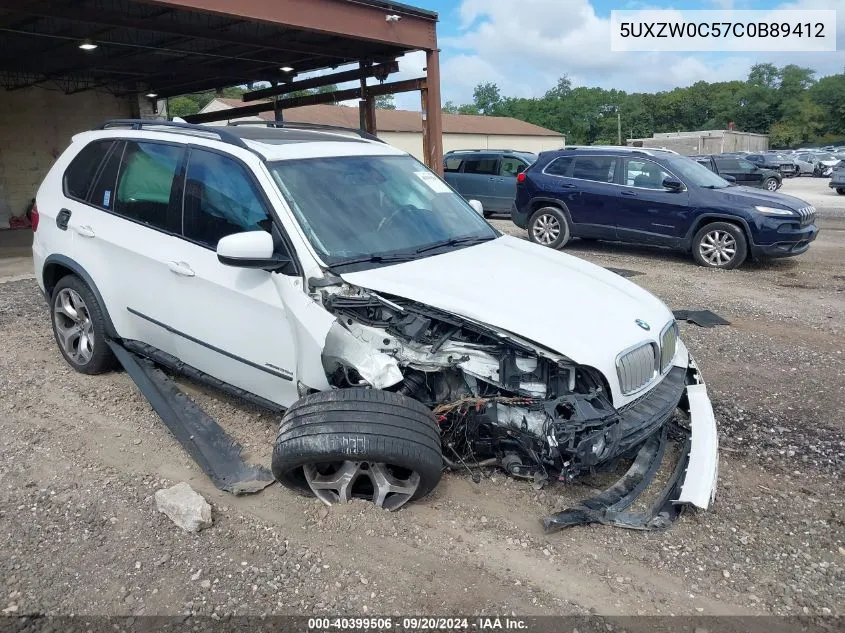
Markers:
(629, 194)
(181, 268)
(84, 231)
(566, 186)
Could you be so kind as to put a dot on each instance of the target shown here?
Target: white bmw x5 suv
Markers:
(333, 277)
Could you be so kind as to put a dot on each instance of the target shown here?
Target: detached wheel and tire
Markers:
(720, 245)
(359, 443)
(549, 227)
(771, 184)
(79, 327)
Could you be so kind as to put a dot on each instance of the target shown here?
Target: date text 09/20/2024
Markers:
(418, 623)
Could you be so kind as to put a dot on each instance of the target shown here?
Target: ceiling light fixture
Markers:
(151, 95)
(286, 69)
(87, 45)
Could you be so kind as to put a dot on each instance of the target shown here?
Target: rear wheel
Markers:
(79, 327)
(840, 191)
(359, 443)
(720, 245)
(549, 227)
(772, 184)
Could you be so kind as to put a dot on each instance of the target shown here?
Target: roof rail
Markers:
(292, 125)
(198, 130)
(514, 151)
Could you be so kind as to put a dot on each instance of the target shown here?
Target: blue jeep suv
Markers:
(652, 196)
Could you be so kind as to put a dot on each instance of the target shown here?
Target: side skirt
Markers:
(177, 366)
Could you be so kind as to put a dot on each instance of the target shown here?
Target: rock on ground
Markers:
(184, 506)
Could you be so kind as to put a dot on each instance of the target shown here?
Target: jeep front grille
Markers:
(636, 367)
(668, 344)
(808, 215)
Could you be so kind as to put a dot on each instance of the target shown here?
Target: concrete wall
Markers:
(706, 142)
(36, 126)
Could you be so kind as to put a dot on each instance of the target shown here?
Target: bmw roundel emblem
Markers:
(643, 324)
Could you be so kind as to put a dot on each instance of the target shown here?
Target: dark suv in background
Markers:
(488, 176)
(742, 172)
(652, 196)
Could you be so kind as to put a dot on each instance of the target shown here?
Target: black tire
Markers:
(101, 358)
(740, 245)
(357, 425)
(549, 226)
(840, 191)
(771, 184)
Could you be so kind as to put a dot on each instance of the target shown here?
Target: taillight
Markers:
(520, 178)
(33, 217)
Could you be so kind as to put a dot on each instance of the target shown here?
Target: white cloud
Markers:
(525, 46)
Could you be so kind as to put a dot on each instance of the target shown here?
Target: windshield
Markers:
(376, 208)
(825, 156)
(694, 173)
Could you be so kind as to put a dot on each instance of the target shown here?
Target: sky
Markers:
(524, 46)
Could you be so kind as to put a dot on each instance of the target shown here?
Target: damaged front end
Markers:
(507, 402)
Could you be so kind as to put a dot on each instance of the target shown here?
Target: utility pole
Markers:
(618, 127)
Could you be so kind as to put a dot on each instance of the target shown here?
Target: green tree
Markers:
(385, 102)
(486, 98)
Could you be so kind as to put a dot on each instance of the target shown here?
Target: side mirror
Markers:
(672, 185)
(730, 179)
(479, 208)
(250, 249)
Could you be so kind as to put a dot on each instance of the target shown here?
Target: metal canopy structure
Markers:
(171, 47)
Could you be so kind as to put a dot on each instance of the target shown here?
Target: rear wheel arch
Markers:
(58, 266)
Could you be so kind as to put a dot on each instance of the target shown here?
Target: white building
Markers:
(403, 128)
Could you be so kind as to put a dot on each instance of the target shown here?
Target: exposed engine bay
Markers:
(499, 400)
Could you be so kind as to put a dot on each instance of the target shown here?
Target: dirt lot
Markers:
(80, 459)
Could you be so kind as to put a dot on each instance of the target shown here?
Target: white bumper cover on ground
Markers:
(699, 487)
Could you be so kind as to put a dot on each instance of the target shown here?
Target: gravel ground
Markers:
(81, 457)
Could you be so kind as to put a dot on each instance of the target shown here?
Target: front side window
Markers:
(145, 183)
(371, 207)
(510, 167)
(645, 174)
(220, 199)
(597, 168)
(80, 174)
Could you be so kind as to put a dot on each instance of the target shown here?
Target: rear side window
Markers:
(145, 183)
(559, 166)
(597, 168)
(452, 164)
(82, 170)
(486, 166)
(220, 199)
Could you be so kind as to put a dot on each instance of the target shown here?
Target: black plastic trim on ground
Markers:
(608, 507)
(214, 450)
(702, 318)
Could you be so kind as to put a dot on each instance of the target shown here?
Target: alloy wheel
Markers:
(387, 486)
(74, 328)
(772, 184)
(546, 229)
(718, 247)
